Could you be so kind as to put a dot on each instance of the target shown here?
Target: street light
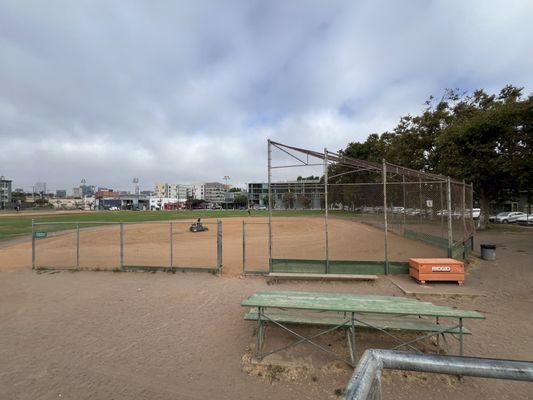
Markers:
(226, 178)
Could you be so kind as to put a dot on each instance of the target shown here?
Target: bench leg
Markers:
(353, 350)
(461, 352)
(259, 343)
(438, 337)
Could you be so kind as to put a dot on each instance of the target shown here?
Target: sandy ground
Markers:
(149, 244)
(105, 335)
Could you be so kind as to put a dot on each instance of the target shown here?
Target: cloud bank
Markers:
(190, 91)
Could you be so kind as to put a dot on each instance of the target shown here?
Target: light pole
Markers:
(226, 179)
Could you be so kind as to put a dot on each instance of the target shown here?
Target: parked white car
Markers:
(525, 220)
(508, 217)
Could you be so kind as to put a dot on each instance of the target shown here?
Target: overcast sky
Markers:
(189, 91)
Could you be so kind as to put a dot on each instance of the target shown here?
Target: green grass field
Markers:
(20, 225)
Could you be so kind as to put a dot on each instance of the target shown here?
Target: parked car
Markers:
(525, 220)
(508, 217)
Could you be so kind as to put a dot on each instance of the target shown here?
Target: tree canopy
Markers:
(482, 138)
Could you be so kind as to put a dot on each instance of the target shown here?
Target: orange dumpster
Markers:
(437, 269)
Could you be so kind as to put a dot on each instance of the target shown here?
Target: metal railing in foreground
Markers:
(365, 383)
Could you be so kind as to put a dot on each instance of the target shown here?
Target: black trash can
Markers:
(488, 252)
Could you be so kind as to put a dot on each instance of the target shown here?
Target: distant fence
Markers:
(124, 246)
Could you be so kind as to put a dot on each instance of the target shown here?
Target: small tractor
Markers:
(198, 226)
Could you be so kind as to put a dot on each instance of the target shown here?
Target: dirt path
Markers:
(102, 335)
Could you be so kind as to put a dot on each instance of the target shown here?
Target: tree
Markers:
(304, 201)
(265, 201)
(481, 138)
(235, 189)
(288, 199)
(240, 200)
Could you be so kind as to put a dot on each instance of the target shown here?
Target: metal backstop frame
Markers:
(427, 207)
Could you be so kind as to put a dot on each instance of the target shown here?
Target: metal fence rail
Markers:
(365, 383)
(151, 245)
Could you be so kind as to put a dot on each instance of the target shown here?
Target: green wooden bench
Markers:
(351, 311)
(413, 324)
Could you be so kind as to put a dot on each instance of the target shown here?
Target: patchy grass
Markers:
(506, 228)
(20, 225)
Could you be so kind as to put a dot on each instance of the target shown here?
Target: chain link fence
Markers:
(168, 246)
(369, 217)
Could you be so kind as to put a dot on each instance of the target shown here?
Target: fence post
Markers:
(122, 246)
(404, 204)
(464, 211)
(243, 248)
(450, 233)
(219, 246)
(77, 245)
(385, 222)
(269, 206)
(32, 243)
(326, 207)
(171, 246)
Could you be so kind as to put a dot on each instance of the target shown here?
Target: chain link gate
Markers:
(163, 245)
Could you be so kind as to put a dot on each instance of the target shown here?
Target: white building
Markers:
(173, 190)
(211, 192)
(166, 203)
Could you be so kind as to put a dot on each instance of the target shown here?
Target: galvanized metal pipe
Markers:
(243, 247)
(373, 361)
(385, 221)
(77, 245)
(121, 246)
(171, 245)
(33, 243)
(219, 246)
(269, 145)
(450, 232)
(326, 207)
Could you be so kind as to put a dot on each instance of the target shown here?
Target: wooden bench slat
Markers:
(343, 303)
(392, 323)
(311, 276)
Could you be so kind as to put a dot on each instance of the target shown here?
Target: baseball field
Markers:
(84, 335)
(147, 243)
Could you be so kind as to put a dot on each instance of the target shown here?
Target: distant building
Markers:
(104, 192)
(76, 192)
(174, 191)
(214, 192)
(5, 193)
(40, 187)
(61, 194)
(87, 190)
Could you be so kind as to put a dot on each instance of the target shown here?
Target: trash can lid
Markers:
(488, 246)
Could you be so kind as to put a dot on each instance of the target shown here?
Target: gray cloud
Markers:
(189, 91)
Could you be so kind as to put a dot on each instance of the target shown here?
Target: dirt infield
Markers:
(99, 335)
(148, 244)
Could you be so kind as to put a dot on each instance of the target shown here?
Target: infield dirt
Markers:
(148, 244)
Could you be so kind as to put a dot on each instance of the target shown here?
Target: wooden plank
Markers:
(392, 323)
(281, 293)
(351, 277)
(333, 302)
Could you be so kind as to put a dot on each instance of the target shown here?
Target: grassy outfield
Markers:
(21, 224)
